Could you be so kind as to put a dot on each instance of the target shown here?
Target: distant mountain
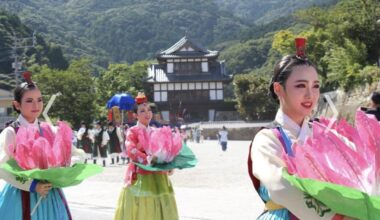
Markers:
(262, 12)
(125, 30)
(131, 30)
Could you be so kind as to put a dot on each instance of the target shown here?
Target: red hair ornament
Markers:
(300, 43)
(27, 77)
(141, 98)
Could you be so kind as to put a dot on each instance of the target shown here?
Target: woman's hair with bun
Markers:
(285, 66)
(22, 88)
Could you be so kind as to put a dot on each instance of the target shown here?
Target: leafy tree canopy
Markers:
(76, 84)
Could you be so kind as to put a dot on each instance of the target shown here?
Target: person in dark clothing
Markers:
(374, 108)
(101, 139)
(115, 142)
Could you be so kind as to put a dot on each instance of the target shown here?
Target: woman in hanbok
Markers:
(295, 85)
(20, 196)
(147, 194)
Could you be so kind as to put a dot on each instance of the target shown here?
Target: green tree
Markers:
(345, 63)
(77, 102)
(283, 42)
(121, 78)
(243, 57)
(254, 102)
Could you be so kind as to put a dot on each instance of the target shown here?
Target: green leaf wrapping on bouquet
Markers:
(185, 159)
(340, 199)
(59, 176)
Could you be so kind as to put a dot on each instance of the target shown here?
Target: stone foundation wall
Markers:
(347, 102)
(233, 133)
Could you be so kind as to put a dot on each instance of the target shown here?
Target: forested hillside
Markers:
(43, 53)
(130, 30)
(343, 39)
(343, 42)
(262, 12)
(125, 30)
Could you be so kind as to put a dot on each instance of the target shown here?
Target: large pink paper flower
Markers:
(161, 143)
(41, 148)
(165, 144)
(343, 155)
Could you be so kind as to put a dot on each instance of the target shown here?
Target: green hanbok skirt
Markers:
(150, 197)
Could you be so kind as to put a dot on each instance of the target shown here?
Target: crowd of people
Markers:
(101, 142)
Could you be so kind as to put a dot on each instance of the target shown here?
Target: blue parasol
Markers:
(123, 100)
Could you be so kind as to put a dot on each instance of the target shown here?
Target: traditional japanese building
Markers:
(188, 82)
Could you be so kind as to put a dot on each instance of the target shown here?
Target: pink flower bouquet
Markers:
(44, 155)
(342, 160)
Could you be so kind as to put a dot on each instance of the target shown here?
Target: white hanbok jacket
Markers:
(268, 166)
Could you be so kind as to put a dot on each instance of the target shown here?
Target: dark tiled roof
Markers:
(157, 74)
(174, 51)
(189, 55)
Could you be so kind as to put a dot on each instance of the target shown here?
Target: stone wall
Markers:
(347, 102)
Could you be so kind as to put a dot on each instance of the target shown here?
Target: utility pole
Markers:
(20, 44)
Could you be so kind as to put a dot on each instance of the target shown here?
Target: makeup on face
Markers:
(31, 105)
(144, 114)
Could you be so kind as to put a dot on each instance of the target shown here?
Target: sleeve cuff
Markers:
(33, 186)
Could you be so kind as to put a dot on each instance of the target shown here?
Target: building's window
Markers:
(189, 96)
(204, 67)
(161, 96)
(212, 85)
(170, 86)
(177, 67)
(212, 94)
(164, 96)
(205, 85)
(157, 97)
(178, 86)
(164, 86)
(156, 87)
(170, 67)
(198, 86)
(219, 94)
(191, 86)
(219, 85)
(184, 86)
(187, 67)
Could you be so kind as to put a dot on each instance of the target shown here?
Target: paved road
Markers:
(218, 188)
